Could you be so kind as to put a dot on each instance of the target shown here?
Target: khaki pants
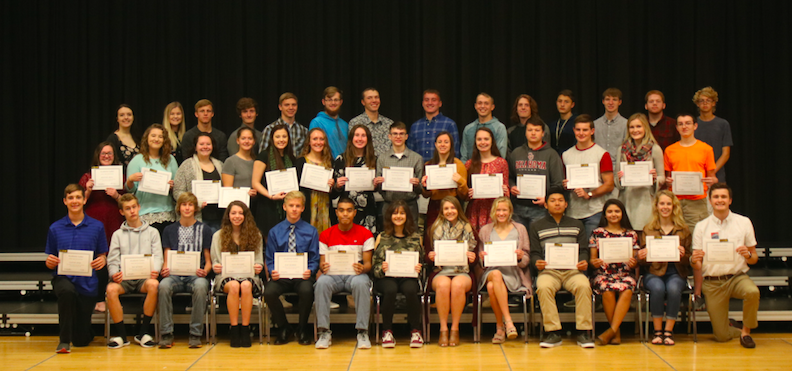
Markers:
(694, 211)
(717, 294)
(548, 284)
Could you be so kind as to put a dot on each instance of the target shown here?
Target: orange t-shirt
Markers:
(698, 157)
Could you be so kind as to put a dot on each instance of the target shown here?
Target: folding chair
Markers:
(138, 316)
(524, 296)
(378, 300)
(688, 314)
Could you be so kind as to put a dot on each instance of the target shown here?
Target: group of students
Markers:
(315, 222)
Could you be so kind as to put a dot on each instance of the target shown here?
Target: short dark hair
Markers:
(245, 103)
(585, 118)
(74, 187)
(195, 143)
(683, 113)
(557, 190)
(720, 185)
(612, 92)
(363, 94)
(432, 91)
(345, 200)
(566, 93)
(126, 197)
(397, 125)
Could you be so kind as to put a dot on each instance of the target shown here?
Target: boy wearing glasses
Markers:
(400, 156)
(713, 130)
(334, 127)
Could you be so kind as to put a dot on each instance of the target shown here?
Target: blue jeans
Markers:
(198, 286)
(526, 215)
(359, 286)
(591, 223)
(665, 289)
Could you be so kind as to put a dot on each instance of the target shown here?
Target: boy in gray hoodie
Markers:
(135, 237)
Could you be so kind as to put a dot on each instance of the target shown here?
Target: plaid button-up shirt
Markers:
(297, 135)
(423, 133)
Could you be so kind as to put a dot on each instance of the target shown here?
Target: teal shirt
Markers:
(469, 137)
(149, 202)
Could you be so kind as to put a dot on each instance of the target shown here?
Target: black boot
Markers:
(235, 340)
(305, 335)
(244, 336)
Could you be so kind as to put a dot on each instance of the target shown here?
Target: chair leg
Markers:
(593, 315)
(477, 330)
(213, 321)
(695, 328)
(377, 320)
(525, 319)
(262, 320)
(107, 323)
(640, 317)
(533, 323)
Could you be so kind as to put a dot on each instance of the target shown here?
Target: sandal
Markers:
(668, 338)
(658, 338)
(500, 336)
(443, 341)
(511, 331)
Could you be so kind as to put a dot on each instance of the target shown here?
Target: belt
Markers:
(720, 278)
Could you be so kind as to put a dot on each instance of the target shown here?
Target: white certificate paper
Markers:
(583, 176)
(487, 185)
(531, 187)
(315, 177)
(291, 265)
(111, 176)
(75, 263)
(687, 183)
(359, 179)
(397, 179)
(615, 250)
(451, 253)
(183, 263)
(231, 194)
(154, 181)
(636, 174)
(341, 263)
(440, 177)
(238, 265)
(282, 181)
(500, 254)
(401, 263)
(561, 255)
(720, 252)
(136, 267)
(663, 249)
(206, 191)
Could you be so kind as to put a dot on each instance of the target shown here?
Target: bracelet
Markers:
(750, 255)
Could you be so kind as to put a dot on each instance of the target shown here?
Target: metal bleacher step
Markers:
(770, 276)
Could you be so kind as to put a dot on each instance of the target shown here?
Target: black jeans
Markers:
(304, 290)
(74, 313)
(388, 287)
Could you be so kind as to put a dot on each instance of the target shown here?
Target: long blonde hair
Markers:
(495, 207)
(676, 213)
(175, 137)
(647, 129)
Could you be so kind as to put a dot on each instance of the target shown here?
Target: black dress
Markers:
(267, 212)
(364, 201)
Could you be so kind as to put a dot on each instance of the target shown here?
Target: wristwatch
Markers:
(590, 194)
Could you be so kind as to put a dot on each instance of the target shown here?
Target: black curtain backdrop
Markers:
(66, 66)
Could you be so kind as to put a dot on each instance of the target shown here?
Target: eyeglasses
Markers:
(106, 154)
(705, 101)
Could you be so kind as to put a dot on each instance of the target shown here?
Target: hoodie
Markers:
(335, 129)
(469, 137)
(134, 241)
(541, 161)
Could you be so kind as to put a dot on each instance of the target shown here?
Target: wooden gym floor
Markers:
(37, 353)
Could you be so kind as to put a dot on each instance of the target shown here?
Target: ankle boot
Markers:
(244, 336)
(234, 333)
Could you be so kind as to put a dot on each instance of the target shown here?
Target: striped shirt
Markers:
(546, 230)
(89, 235)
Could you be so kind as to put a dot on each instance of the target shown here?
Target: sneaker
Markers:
(166, 342)
(334, 305)
(551, 340)
(363, 341)
(584, 340)
(195, 341)
(117, 342)
(63, 348)
(387, 339)
(146, 341)
(325, 340)
(416, 340)
(286, 304)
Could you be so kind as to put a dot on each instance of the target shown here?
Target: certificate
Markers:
(231, 194)
(720, 252)
(582, 176)
(440, 177)
(615, 250)
(359, 179)
(401, 263)
(154, 181)
(206, 191)
(111, 176)
(136, 267)
(75, 263)
(238, 265)
(636, 174)
(397, 179)
(500, 254)
(282, 181)
(183, 263)
(341, 262)
(687, 183)
(291, 264)
(531, 187)
(664, 249)
(561, 255)
(487, 185)
(315, 177)
(451, 253)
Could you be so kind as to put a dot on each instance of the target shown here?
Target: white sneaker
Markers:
(334, 305)
(363, 341)
(416, 340)
(117, 342)
(146, 341)
(387, 339)
(325, 340)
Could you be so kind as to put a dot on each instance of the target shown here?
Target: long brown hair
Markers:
(164, 151)
(327, 156)
(369, 156)
(475, 159)
(249, 235)
(95, 160)
(441, 218)
(409, 223)
(515, 118)
(288, 151)
(436, 156)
